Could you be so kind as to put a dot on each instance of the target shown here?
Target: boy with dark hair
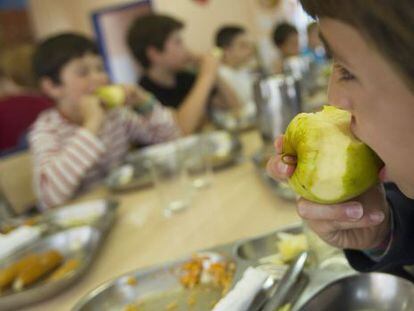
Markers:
(78, 141)
(238, 52)
(156, 43)
(286, 38)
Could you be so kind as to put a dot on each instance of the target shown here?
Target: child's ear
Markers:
(51, 88)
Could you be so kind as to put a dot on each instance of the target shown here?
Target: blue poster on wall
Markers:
(13, 4)
(111, 26)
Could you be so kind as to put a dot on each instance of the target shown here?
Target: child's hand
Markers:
(135, 95)
(359, 224)
(209, 65)
(281, 167)
(92, 113)
(362, 223)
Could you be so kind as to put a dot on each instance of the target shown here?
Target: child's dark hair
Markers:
(150, 30)
(54, 53)
(226, 34)
(281, 32)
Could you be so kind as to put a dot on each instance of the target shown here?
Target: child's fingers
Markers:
(279, 170)
(279, 144)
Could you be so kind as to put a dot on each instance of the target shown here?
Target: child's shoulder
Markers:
(48, 119)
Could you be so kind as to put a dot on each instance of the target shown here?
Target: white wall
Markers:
(52, 16)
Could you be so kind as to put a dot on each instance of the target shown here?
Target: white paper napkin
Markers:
(16, 239)
(242, 295)
(80, 212)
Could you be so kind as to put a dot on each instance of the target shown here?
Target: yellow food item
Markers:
(286, 307)
(131, 307)
(219, 274)
(132, 281)
(291, 245)
(38, 268)
(8, 274)
(69, 266)
(332, 164)
(112, 95)
(192, 272)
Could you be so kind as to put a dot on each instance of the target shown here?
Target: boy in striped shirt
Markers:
(76, 143)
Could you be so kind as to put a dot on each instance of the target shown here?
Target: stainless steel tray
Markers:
(97, 213)
(223, 149)
(153, 289)
(251, 251)
(162, 285)
(260, 159)
(80, 242)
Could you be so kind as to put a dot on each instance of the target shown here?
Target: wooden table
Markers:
(238, 205)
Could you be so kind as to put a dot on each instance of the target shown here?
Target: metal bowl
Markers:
(363, 292)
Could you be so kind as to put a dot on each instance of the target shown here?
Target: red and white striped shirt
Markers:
(68, 158)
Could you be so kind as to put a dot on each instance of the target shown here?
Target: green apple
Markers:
(332, 164)
(112, 95)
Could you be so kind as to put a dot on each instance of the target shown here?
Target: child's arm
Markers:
(226, 96)
(59, 172)
(156, 124)
(61, 167)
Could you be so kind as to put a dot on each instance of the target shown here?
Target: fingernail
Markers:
(376, 217)
(354, 211)
(288, 159)
(282, 167)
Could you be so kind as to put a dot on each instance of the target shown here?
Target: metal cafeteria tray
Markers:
(161, 285)
(154, 289)
(222, 148)
(81, 243)
(99, 213)
(260, 159)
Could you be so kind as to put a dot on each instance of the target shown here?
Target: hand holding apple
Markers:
(359, 224)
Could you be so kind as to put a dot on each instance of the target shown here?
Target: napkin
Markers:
(16, 239)
(82, 212)
(242, 295)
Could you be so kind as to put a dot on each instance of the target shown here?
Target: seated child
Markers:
(286, 39)
(78, 141)
(237, 56)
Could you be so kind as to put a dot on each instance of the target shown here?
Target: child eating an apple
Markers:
(77, 142)
(371, 43)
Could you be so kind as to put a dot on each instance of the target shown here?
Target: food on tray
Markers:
(291, 245)
(80, 214)
(132, 281)
(200, 270)
(132, 307)
(66, 268)
(17, 239)
(6, 227)
(126, 174)
(8, 274)
(36, 269)
(285, 307)
(332, 164)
